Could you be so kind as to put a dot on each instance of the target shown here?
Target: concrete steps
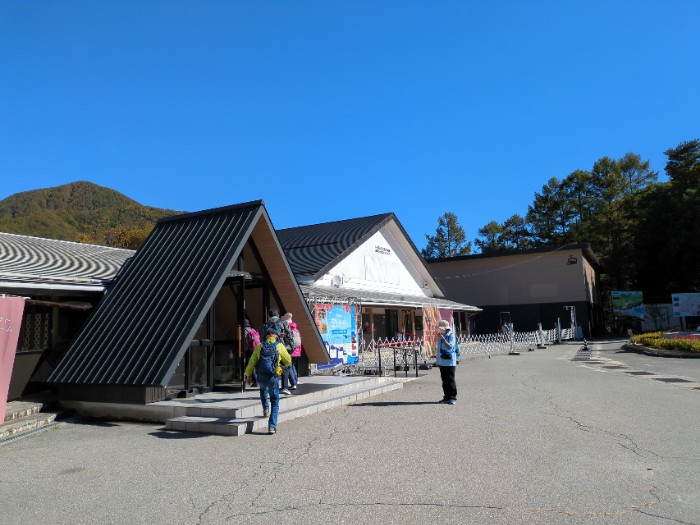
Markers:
(249, 418)
(25, 417)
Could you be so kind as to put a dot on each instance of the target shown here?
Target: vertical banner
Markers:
(337, 324)
(448, 315)
(11, 310)
(431, 318)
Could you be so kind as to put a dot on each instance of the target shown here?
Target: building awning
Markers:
(381, 299)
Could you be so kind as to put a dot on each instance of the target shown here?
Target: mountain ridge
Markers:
(80, 211)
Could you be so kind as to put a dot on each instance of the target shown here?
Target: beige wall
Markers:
(517, 279)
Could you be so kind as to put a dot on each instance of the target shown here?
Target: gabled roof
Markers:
(313, 250)
(32, 263)
(148, 318)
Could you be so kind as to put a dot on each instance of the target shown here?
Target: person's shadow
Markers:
(394, 403)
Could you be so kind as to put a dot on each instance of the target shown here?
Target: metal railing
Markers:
(391, 356)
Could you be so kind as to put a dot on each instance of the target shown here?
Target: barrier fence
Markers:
(394, 356)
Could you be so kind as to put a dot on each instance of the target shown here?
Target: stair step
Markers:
(19, 409)
(254, 408)
(25, 424)
(231, 426)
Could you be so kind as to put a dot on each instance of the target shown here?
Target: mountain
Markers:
(82, 212)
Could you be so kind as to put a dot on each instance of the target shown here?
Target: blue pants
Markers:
(289, 376)
(270, 385)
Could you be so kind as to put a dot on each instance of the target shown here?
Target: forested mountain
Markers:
(82, 212)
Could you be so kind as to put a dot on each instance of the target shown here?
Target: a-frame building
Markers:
(172, 320)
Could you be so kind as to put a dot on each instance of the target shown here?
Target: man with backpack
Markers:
(266, 362)
(286, 337)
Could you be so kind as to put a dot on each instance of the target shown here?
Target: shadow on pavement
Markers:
(393, 403)
(91, 422)
(176, 434)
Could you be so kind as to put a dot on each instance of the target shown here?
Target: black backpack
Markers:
(286, 337)
(269, 357)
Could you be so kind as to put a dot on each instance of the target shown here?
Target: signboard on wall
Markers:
(337, 324)
(628, 304)
(686, 304)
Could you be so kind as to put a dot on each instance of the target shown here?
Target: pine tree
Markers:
(449, 239)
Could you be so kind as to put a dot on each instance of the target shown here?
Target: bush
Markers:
(654, 340)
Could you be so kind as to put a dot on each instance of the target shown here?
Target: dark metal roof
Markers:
(312, 250)
(146, 321)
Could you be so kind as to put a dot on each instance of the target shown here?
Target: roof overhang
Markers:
(381, 299)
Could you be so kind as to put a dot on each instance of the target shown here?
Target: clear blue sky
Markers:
(331, 110)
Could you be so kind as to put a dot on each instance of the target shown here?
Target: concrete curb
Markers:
(639, 349)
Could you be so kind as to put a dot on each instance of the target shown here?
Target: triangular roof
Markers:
(145, 323)
(313, 250)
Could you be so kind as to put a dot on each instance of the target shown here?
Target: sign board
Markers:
(628, 304)
(11, 311)
(686, 304)
(337, 324)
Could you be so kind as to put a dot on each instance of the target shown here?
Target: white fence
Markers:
(381, 356)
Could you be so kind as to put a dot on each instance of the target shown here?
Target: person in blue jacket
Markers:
(447, 361)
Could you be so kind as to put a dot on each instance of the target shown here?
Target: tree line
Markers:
(645, 233)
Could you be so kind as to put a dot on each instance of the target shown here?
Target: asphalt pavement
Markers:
(535, 438)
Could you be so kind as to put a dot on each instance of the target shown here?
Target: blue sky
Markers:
(330, 110)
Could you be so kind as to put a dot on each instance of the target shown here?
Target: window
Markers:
(35, 334)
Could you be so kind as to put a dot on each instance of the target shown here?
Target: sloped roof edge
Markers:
(584, 247)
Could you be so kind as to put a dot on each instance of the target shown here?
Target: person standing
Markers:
(287, 339)
(447, 361)
(252, 340)
(267, 357)
(296, 353)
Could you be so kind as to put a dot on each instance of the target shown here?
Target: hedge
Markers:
(654, 340)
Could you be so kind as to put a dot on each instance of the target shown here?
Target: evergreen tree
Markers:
(515, 234)
(667, 235)
(449, 239)
(489, 241)
(551, 215)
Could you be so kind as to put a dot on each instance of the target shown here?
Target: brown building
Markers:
(527, 288)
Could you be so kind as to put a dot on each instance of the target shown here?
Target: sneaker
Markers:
(272, 430)
(452, 402)
(293, 387)
(285, 392)
(443, 400)
(266, 412)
